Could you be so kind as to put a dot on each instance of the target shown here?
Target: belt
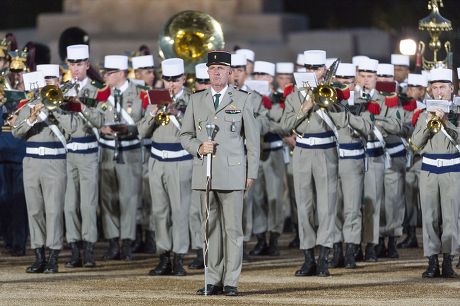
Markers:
(45, 153)
(351, 151)
(324, 140)
(169, 152)
(374, 148)
(82, 147)
(396, 150)
(441, 163)
(272, 146)
(124, 144)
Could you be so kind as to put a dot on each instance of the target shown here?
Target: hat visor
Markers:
(218, 63)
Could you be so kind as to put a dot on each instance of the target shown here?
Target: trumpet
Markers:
(163, 116)
(435, 124)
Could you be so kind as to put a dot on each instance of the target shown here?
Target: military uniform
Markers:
(233, 118)
(439, 198)
(45, 179)
(120, 189)
(170, 175)
(352, 129)
(81, 200)
(13, 219)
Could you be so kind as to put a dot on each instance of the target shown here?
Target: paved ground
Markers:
(264, 281)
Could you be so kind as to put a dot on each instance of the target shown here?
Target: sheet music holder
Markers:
(160, 96)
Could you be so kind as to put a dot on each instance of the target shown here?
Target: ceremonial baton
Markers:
(210, 131)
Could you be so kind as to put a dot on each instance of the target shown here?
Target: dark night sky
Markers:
(389, 15)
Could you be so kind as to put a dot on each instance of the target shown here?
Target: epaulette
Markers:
(391, 99)
(197, 91)
(343, 91)
(246, 92)
(103, 94)
(97, 84)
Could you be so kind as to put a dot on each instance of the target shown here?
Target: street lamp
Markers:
(408, 46)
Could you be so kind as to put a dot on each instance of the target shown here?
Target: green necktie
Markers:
(216, 101)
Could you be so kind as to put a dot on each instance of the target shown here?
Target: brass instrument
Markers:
(51, 96)
(435, 124)
(162, 115)
(189, 35)
(324, 95)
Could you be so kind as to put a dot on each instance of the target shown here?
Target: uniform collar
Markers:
(222, 92)
(123, 87)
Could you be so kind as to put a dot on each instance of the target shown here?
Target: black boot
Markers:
(447, 270)
(411, 239)
(322, 269)
(309, 266)
(126, 249)
(138, 246)
(88, 255)
(198, 262)
(246, 257)
(164, 266)
(178, 268)
(150, 245)
(392, 250)
(337, 260)
(380, 248)
(295, 243)
(261, 246)
(433, 267)
(359, 255)
(371, 255)
(75, 259)
(40, 261)
(113, 252)
(52, 265)
(273, 249)
(350, 262)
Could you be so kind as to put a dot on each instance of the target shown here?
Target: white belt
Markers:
(273, 145)
(374, 145)
(441, 162)
(348, 153)
(123, 143)
(315, 141)
(164, 154)
(77, 146)
(45, 151)
(396, 149)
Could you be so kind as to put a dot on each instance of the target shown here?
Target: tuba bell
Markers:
(51, 96)
(189, 35)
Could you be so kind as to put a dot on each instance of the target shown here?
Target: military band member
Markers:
(384, 121)
(392, 210)
(440, 200)
(13, 217)
(315, 171)
(202, 82)
(268, 214)
(416, 89)
(238, 78)
(170, 173)
(250, 57)
(145, 224)
(231, 112)
(352, 130)
(121, 166)
(82, 165)
(284, 85)
(44, 173)
(401, 70)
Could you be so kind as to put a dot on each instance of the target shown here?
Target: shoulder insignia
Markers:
(243, 91)
(97, 84)
(197, 91)
(143, 87)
